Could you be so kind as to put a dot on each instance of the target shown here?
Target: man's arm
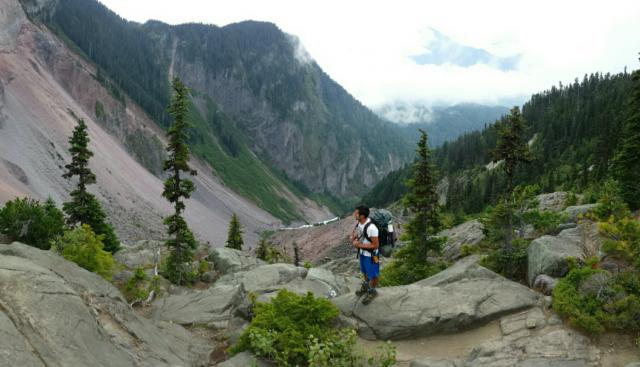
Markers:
(372, 246)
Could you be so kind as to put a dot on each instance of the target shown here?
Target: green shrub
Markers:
(308, 264)
(408, 265)
(137, 286)
(82, 246)
(615, 307)
(28, 221)
(510, 264)
(610, 203)
(294, 330)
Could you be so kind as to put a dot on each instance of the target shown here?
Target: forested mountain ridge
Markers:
(573, 131)
(310, 134)
(443, 123)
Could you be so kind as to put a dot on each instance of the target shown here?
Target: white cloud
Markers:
(367, 45)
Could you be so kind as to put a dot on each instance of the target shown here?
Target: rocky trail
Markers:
(465, 316)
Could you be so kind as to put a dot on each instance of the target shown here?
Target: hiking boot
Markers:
(364, 288)
(371, 294)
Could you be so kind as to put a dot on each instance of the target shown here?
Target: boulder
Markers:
(531, 339)
(323, 283)
(554, 201)
(55, 313)
(263, 279)
(244, 359)
(553, 348)
(595, 284)
(545, 284)
(576, 212)
(144, 254)
(456, 299)
(226, 260)
(469, 234)
(634, 364)
(432, 362)
(549, 254)
(213, 307)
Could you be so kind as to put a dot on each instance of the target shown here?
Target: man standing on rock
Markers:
(365, 238)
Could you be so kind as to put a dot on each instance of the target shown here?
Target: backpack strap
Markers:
(364, 231)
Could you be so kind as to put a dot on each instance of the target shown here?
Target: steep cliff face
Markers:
(45, 88)
(301, 124)
(299, 119)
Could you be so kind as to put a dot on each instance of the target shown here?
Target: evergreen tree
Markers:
(84, 208)
(262, 250)
(234, 239)
(411, 263)
(177, 188)
(296, 254)
(513, 150)
(626, 163)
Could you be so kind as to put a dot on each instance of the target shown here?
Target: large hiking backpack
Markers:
(383, 220)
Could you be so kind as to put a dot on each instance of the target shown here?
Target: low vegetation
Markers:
(82, 246)
(605, 294)
(295, 330)
(31, 222)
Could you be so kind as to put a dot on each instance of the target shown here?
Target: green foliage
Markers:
(82, 246)
(266, 251)
(308, 264)
(511, 264)
(234, 236)
(238, 168)
(412, 262)
(511, 146)
(294, 330)
(28, 221)
(626, 163)
(84, 208)
(136, 287)
(577, 128)
(610, 203)
(616, 304)
(622, 240)
(177, 188)
(99, 110)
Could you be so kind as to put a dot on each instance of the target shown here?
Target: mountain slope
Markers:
(572, 133)
(291, 114)
(441, 123)
(44, 89)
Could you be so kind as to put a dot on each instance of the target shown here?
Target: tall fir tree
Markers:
(181, 241)
(84, 208)
(411, 263)
(513, 150)
(626, 163)
(234, 238)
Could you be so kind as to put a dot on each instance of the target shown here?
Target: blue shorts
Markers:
(369, 268)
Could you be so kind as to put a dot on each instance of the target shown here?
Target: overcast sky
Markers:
(440, 52)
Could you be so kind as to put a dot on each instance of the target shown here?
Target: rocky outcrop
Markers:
(143, 254)
(549, 254)
(244, 359)
(54, 313)
(466, 234)
(455, 299)
(554, 201)
(212, 307)
(528, 339)
(576, 212)
(263, 279)
(227, 261)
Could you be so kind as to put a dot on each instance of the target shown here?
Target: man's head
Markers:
(361, 213)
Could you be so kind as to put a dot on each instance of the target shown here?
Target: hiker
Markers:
(365, 238)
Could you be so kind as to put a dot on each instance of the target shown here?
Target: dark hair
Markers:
(363, 210)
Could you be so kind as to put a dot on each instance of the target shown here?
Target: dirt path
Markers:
(451, 346)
